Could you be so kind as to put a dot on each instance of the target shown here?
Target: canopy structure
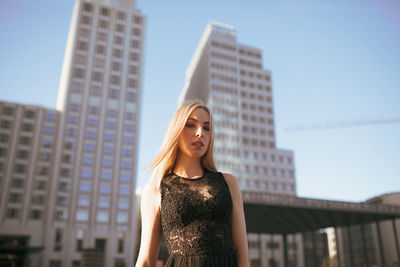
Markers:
(282, 214)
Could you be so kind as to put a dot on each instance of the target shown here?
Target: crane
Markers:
(344, 123)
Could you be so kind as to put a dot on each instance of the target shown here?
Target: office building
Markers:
(229, 77)
(89, 201)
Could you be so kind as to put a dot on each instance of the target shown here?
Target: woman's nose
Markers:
(199, 131)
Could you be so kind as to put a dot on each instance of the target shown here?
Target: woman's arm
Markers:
(238, 231)
(151, 226)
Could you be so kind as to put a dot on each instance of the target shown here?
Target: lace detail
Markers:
(196, 215)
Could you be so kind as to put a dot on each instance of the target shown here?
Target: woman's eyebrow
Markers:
(207, 122)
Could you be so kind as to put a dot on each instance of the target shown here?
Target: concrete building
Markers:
(372, 244)
(88, 201)
(229, 77)
(27, 153)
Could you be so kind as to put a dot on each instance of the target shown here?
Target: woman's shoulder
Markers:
(230, 180)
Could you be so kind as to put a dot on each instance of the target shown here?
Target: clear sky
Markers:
(330, 60)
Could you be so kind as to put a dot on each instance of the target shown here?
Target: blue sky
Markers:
(330, 60)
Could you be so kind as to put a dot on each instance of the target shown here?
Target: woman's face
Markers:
(195, 137)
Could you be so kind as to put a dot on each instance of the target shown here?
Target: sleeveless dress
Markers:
(196, 221)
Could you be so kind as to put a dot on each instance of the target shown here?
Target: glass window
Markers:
(107, 162)
(129, 127)
(127, 152)
(128, 140)
(85, 187)
(122, 217)
(88, 160)
(123, 204)
(124, 190)
(46, 142)
(109, 137)
(82, 215)
(125, 177)
(105, 189)
(73, 119)
(102, 216)
(89, 147)
(90, 134)
(83, 201)
(86, 173)
(109, 150)
(70, 132)
(106, 175)
(92, 122)
(111, 124)
(104, 202)
(126, 165)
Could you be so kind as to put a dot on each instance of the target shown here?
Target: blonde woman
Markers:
(199, 210)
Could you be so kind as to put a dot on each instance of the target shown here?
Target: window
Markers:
(41, 185)
(62, 200)
(127, 152)
(64, 186)
(3, 152)
(82, 215)
(86, 173)
(37, 199)
(105, 189)
(8, 111)
(111, 124)
(29, 114)
(123, 204)
(107, 162)
(122, 217)
(36, 214)
(60, 215)
(106, 175)
(124, 190)
(109, 150)
(85, 187)
(104, 202)
(90, 134)
(102, 216)
(109, 137)
(65, 172)
(3, 138)
(132, 69)
(5, 124)
(24, 140)
(125, 177)
(27, 127)
(19, 168)
(14, 198)
(12, 213)
(83, 201)
(126, 165)
(87, 160)
(89, 147)
(128, 140)
(129, 127)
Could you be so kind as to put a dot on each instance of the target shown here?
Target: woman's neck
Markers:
(188, 167)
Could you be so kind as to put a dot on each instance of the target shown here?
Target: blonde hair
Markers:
(164, 162)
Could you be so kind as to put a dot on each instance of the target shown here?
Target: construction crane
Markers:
(344, 123)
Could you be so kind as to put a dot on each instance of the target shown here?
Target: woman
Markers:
(199, 210)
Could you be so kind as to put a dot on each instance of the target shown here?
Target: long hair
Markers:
(164, 162)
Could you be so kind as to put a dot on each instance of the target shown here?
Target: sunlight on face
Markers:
(195, 137)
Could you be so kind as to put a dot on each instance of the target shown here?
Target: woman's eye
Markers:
(189, 125)
(206, 128)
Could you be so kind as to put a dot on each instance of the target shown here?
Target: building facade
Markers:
(229, 77)
(27, 153)
(90, 144)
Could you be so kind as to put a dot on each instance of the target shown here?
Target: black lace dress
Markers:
(196, 220)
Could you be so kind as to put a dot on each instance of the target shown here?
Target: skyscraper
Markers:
(230, 78)
(88, 201)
